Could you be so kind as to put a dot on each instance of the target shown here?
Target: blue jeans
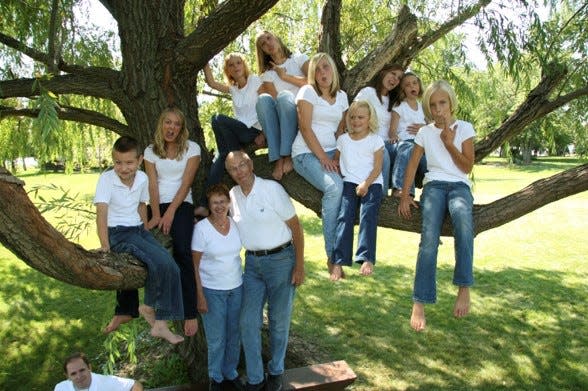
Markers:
(331, 184)
(221, 326)
(368, 225)
(279, 121)
(439, 197)
(162, 286)
(230, 134)
(267, 278)
(403, 152)
(181, 233)
(387, 163)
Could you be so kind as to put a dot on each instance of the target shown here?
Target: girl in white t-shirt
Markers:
(321, 115)
(449, 146)
(231, 134)
(360, 154)
(216, 248)
(407, 118)
(171, 163)
(282, 73)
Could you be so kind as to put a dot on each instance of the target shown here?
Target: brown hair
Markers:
(217, 189)
(75, 356)
(263, 60)
(378, 80)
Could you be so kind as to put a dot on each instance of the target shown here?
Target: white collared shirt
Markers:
(122, 201)
(261, 215)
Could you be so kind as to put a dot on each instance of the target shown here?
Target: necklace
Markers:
(222, 225)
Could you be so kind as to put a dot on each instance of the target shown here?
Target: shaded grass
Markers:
(527, 329)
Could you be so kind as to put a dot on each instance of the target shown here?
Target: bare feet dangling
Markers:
(367, 268)
(116, 321)
(462, 302)
(160, 330)
(417, 318)
(147, 313)
(278, 169)
(288, 165)
(336, 272)
(190, 327)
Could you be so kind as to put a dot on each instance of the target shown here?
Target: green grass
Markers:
(527, 329)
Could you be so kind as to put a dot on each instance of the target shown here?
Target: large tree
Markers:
(164, 44)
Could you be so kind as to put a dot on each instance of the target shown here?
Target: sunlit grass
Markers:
(527, 329)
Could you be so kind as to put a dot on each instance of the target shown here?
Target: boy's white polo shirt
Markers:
(122, 201)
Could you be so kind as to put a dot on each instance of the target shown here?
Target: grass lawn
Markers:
(527, 329)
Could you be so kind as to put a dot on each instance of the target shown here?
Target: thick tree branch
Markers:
(563, 100)
(31, 238)
(52, 43)
(213, 33)
(21, 47)
(329, 34)
(68, 113)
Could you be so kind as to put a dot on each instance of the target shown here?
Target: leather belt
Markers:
(259, 253)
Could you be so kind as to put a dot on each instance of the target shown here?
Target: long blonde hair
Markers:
(311, 78)
(182, 139)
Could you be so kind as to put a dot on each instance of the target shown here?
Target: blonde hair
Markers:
(182, 139)
(229, 79)
(439, 85)
(313, 63)
(363, 104)
(263, 59)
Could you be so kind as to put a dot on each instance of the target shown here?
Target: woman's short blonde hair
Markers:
(182, 140)
(313, 63)
(439, 85)
(229, 79)
(363, 104)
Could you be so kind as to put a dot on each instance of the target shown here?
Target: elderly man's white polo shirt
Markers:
(100, 383)
(261, 215)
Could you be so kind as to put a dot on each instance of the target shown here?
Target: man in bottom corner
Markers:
(78, 370)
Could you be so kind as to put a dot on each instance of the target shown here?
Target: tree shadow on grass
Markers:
(527, 330)
(44, 321)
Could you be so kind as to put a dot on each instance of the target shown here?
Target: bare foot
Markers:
(190, 327)
(397, 193)
(336, 272)
(462, 302)
(116, 321)
(417, 318)
(288, 165)
(148, 314)
(160, 330)
(278, 169)
(330, 266)
(367, 268)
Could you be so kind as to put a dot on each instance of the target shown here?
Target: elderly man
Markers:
(274, 266)
(78, 370)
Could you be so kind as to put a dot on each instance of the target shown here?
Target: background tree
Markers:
(56, 67)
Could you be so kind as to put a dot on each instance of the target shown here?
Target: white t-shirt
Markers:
(381, 108)
(325, 119)
(171, 171)
(100, 383)
(244, 100)
(293, 66)
(220, 265)
(408, 116)
(357, 157)
(440, 166)
(122, 201)
(261, 215)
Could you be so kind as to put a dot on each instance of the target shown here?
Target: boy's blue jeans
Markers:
(162, 287)
(439, 197)
(369, 205)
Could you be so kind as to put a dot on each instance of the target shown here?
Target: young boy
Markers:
(121, 212)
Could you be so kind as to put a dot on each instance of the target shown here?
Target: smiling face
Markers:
(126, 165)
(359, 120)
(218, 204)
(240, 168)
(411, 87)
(235, 68)
(390, 80)
(79, 373)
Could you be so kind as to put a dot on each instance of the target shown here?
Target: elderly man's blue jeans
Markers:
(438, 198)
(279, 121)
(369, 206)
(267, 279)
(331, 184)
(163, 290)
(221, 326)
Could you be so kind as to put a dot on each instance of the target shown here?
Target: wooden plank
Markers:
(330, 376)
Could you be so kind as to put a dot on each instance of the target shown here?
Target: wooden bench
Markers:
(330, 376)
